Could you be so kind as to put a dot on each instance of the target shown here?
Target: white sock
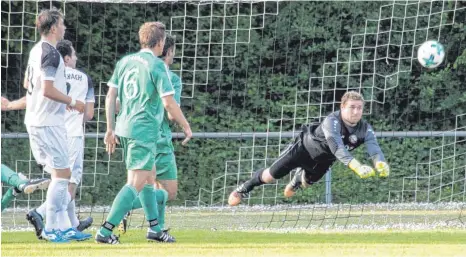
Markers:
(56, 196)
(42, 209)
(63, 219)
(72, 214)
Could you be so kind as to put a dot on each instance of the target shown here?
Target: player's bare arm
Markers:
(88, 111)
(19, 104)
(89, 99)
(51, 92)
(110, 139)
(174, 110)
(25, 81)
(117, 106)
(170, 117)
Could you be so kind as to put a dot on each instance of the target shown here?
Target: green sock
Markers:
(121, 205)
(149, 204)
(8, 197)
(162, 198)
(137, 204)
(11, 177)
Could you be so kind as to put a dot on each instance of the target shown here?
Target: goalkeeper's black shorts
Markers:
(296, 156)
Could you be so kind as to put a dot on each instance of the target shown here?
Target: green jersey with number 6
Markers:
(142, 79)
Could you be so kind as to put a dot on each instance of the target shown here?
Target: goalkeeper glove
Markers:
(382, 168)
(363, 171)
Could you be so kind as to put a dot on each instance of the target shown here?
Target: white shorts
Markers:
(49, 146)
(76, 154)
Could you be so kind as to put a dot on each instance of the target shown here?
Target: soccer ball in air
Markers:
(431, 54)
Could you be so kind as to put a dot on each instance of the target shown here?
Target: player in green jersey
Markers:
(165, 158)
(167, 178)
(143, 86)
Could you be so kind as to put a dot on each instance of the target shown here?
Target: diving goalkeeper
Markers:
(318, 146)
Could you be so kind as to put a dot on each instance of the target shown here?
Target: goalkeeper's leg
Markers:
(285, 163)
(306, 176)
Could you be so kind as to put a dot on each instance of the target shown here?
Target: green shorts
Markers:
(138, 154)
(165, 164)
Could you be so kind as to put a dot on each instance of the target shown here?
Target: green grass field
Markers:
(231, 243)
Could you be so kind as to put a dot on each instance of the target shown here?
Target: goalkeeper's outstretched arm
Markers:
(331, 129)
(375, 153)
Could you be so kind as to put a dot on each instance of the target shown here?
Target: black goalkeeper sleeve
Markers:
(331, 129)
(372, 147)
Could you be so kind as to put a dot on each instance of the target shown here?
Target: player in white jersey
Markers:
(79, 86)
(45, 122)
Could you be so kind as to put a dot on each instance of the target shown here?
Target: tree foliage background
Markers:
(251, 88)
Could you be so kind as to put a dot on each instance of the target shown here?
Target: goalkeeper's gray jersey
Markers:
(333, 139)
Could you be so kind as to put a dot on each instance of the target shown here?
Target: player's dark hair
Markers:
(151, 33)
(169, 44)
(65, 48)
(47, 19)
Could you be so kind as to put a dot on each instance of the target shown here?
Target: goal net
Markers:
(253, 72)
